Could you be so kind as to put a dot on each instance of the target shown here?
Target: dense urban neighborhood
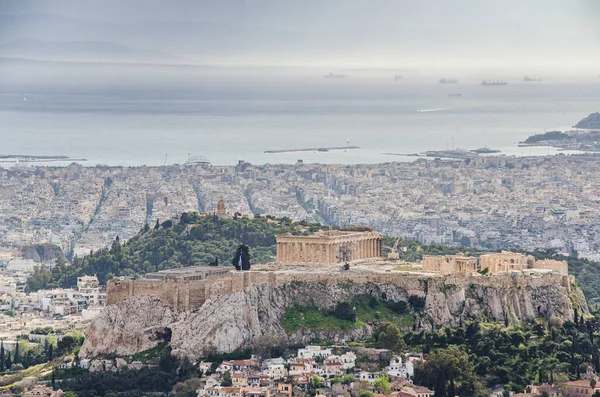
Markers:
(496, 202)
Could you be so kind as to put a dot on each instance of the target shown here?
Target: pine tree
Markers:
(116, 246)
(451, 389)
(2, 364)
(241, 259)
(157, 226)
(49, 351)
(16, 357)
(8, 360)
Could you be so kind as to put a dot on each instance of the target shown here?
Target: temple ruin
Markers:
(333, 246)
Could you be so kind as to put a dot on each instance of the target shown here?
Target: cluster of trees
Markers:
(463, 361)
(26, 354)
(170, 373)
(197, 240)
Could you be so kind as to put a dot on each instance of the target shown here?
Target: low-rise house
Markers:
(238, 379)
(313, 352)
(579, 388)
(401, 394)
(370, 377)
(245, 365)
(334, 368)
(347, 360)
(284, 389)
(230, 391)
(396, 368)
(225, 366)
(417, 391)
(409, 366)
(255, 392)
(204, 366)
(276, 371)
(42, 391)
(254, 380)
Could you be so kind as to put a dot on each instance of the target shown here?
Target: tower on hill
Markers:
(221, 209)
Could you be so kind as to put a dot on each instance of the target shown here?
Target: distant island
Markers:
(591, 122)
(585, 136)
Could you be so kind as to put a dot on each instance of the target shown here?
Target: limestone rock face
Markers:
(253, 316)
(128, 327)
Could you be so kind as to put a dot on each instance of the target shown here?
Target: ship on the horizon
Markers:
(335, 76)
(448, 81)
(527, 78)
(455, 95)
(493, 82)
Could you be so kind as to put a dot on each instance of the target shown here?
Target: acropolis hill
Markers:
(235, 310)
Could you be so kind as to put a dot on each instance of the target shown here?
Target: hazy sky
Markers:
(533, 34)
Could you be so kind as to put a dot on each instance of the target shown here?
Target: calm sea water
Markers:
(225, 121)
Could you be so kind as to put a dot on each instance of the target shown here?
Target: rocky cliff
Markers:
(42, 253)
(253, 316)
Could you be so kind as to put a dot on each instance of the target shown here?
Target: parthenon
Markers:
(334, 246)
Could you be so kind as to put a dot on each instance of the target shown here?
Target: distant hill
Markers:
(90, 51)
(201, 37)
(591, 122)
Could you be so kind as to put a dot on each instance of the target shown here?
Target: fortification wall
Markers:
(191, 295)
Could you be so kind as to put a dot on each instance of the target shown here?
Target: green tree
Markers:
(188, 388)
(445, 365)
(345, 311)
(16, 357)
(347, 379)
(241, 259)
(70, 393)
(388, 336)
(382, 384)
(226, 379)
(2, 363)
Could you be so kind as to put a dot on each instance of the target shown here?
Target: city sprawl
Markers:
(496, 202)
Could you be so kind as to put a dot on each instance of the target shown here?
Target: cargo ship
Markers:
(457, 95)
(335, 76)
(493, 82)
(528, 79)
(448, 81)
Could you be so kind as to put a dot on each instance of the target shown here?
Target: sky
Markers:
(428, 34)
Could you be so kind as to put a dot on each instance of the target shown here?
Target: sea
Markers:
(226, 118)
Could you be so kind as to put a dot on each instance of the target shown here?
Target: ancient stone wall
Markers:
(191, 295)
